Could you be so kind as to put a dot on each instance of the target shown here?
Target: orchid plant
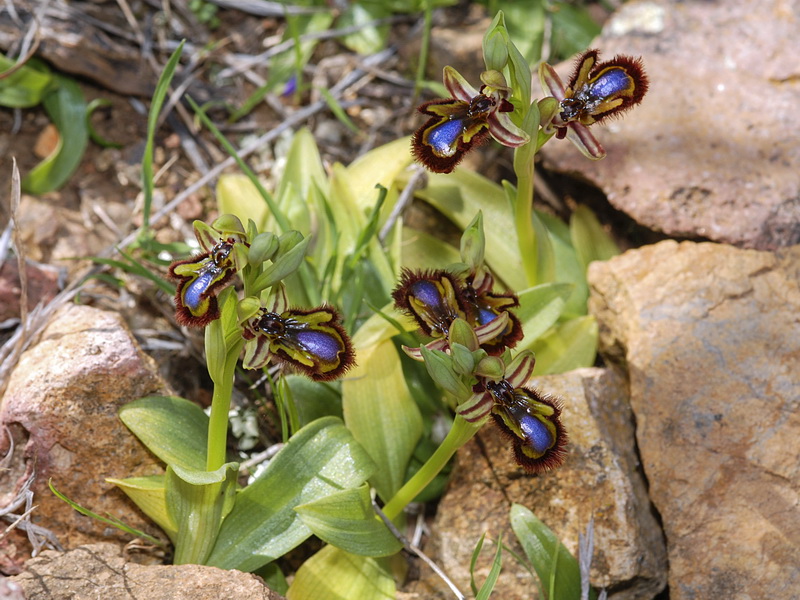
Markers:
(368, 339)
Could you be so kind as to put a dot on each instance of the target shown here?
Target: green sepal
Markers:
(286, 262)
(461, 332)
(495, 52)
(440, 368)
(473, 242)
(262, 248)
(462, 359)
(347, 520)
(149, 494)
(228, 223)
(197, 502)
(247, 308)
(206, 235)
(490, 367)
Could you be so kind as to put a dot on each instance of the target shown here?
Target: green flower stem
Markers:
(523, 221)
(460, 433)
(216, 454)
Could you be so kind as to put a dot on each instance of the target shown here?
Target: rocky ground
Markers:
(684, 440)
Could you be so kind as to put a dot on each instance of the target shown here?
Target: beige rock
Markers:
(711, 338)
(712, 151)
(100, 571)
(599, 479)
(61, 409)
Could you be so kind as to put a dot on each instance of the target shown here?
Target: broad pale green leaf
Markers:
(540, 307)
(377, 328)
(421, 250)
(25, 87)
(237, 195)
(334, 574)
(379, 166)
(590, 240)
(369, 38)
(382, 415)
(569, 345)
(320, 459)
(197, 501)
(347, 520)
(304, 169)
(67, 108)
(568, 268)
(172, 428)
(150, 496)
(549, 558)
(459, 196)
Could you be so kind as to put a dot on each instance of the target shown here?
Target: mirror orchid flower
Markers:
(596, 91)
(458, 124)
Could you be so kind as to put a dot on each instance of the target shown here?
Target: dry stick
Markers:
(412, 548)
(417, 180)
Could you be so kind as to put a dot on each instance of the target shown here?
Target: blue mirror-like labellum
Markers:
(432, 298)
(200, 279)
(485, 306)
(608, 83)
(454, 128)
(533, 423)
(312, 341)
(443, 137)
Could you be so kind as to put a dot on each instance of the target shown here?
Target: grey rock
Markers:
(711, 338)
(100, 571)
(60, 408)
(712, 151)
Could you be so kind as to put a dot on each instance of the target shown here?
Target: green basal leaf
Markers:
(590, 240)
(274, 578)
(334, 574)
(197, 502)
(313, 399)
(67, 109)
(149, 495)
(459, 196)
(540, 307)
(380, 166)
(320, 459)
(494, 573)
(27, 86)
(109, 520)
(380, 412)
(159, 95)
(473, 562)
(304, 170)
(573, 30)
(568, 268)
(384, 325)
(570, 345)
(347, 520)
(550, 559)
(172, 428)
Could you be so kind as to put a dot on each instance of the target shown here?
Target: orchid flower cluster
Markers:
(311, 341)
(473, 328)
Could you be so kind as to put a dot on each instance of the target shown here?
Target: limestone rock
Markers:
(712, 151)
(100, 571)
(60, 407)
(711, 338)
(599, 479)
